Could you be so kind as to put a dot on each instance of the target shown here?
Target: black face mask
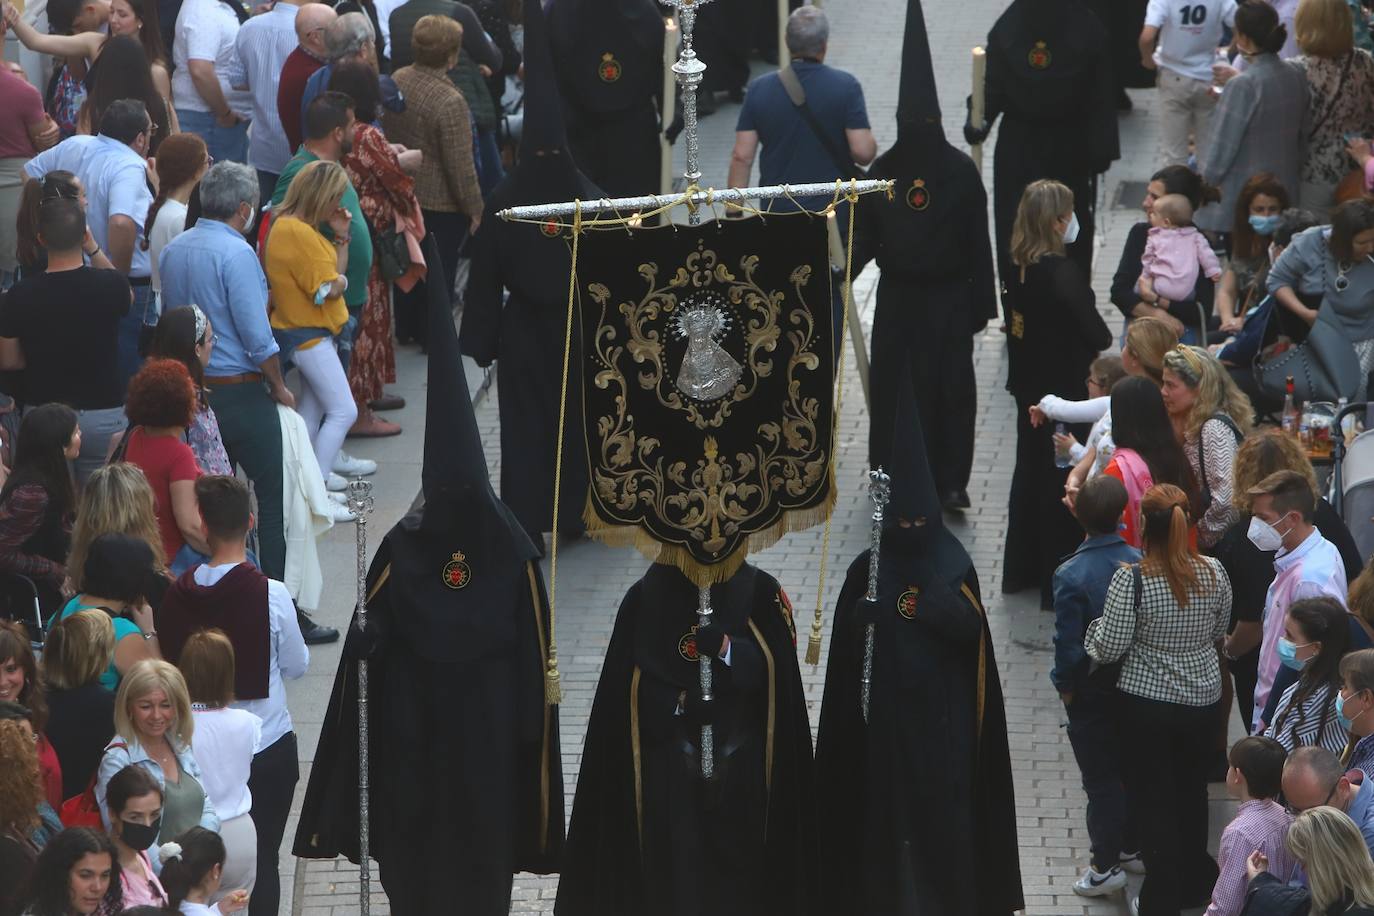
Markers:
(139, 836)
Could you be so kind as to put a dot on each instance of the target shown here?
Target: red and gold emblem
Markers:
(609, 69)
(918, 196)
(457, 573)
(550, 228)
(687, 645)
(906, 602)
(1039, 57)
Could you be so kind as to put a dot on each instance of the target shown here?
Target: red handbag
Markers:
(83, 810)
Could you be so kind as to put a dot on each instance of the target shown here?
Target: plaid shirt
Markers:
(436, 121)
(1169, 650)
(1259, 824)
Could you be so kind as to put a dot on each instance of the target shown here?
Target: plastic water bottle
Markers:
(1062, 456)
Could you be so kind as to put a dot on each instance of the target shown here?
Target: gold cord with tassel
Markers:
(813, 644)
(553, 685)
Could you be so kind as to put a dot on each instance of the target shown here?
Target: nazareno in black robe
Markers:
(648, 834)
(466, 778)
(916, 808)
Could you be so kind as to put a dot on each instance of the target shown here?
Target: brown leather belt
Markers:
(217, 380)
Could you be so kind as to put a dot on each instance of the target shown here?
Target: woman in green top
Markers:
(116, 578)
(153, 728)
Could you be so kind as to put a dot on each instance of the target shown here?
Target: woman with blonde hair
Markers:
(117, 499)
(1251, 570)
(1211, 416)
(1170, 680)
(1335, 859)
(306, 273)
(1340, 77)
(226, 739)
(80, 711)
(153, 728)
(1054, 333)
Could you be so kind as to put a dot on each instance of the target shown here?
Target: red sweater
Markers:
(298, 68)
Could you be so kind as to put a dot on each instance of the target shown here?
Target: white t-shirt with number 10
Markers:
(1189, 33)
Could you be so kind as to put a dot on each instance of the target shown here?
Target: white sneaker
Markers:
(349, 466)
(1133, 863)
(340, 498)
(341, 514)
(1095, 884)
(335, 484)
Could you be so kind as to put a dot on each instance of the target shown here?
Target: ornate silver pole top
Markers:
(879, 490)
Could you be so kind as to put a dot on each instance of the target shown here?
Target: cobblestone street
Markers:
(866, 40)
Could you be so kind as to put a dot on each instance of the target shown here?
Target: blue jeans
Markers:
(226, 144)
(142, 311)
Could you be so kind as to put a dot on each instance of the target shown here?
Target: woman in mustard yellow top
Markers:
(306, 273)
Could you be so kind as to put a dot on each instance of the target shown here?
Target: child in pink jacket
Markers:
(1174, 252)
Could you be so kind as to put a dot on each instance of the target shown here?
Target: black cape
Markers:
(916, 809)
(1050, 77)
(648, 835)
(466, 778)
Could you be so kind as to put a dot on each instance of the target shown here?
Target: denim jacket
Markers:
(1080, 592)
(117, 758)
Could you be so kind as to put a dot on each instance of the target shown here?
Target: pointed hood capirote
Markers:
(914, 498)
(542, 130)
(921, 144)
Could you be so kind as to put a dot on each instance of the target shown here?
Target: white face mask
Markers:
(1264, 535)
(1071, 231)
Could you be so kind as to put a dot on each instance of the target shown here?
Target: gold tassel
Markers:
(813, 645)
(553, 684)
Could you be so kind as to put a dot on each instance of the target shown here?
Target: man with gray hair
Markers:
(350, 37)
(210, 265)
(1313, 776)
(819, 138)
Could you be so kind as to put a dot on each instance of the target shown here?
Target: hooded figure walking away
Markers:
(648, 834)
(525, 334)
(1050, 77)
(937, 288)
(466, 775)
(609, 55)
(916, 809)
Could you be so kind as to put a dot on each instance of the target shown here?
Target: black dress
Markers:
(1054, 332)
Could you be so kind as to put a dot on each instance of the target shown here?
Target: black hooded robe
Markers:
(916, 808)
(466, 779)
(936, 291)
(609, 59)
(525, 335)
(648, 835)
(464, 762)
(1050, 77)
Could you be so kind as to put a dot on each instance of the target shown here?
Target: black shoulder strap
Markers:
(1138, 582)
(842, 160)
(117, 456)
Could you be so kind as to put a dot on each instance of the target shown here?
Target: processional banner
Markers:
(707, 386)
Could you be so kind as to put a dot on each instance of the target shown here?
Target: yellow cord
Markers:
(813, 644)
(553, 689)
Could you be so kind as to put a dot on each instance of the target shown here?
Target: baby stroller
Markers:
(1352, 479)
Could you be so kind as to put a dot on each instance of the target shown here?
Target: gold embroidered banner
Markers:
(707, 387)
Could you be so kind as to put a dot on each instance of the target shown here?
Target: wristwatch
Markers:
(149, 635)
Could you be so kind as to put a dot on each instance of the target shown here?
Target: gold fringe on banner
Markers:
(553, 683)
(813, 644)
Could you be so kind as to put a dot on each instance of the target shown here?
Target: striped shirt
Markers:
(1168, 650)
(263, 43)
(1259, 824)
(1312, 721)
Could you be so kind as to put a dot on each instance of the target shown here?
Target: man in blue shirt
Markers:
(1090, 696)
(212, 266)
(792, 152)
(1313, 776)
